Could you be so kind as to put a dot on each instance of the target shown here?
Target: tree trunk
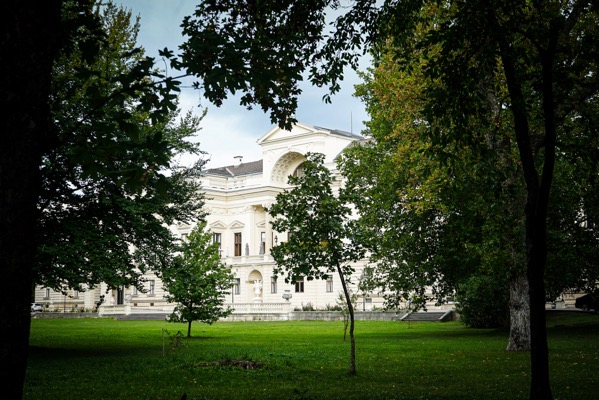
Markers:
(29, 33)
(189, 328)
(536, 230)
(350, 309)
(519, 313)
(540, 387)
(537, 197)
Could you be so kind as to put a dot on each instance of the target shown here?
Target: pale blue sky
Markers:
(232, 130)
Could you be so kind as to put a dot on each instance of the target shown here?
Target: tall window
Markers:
(262, 243)
(75, 294)
(217, 238)
(46, 293)
(237, 244)
(134, 291)
(236, 285)
(152, 287)
(329, 283)
(273, 284)
(299, 285)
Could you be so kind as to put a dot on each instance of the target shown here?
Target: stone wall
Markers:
(237, 317)
(336, 315)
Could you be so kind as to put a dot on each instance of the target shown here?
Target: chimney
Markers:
(238, 160)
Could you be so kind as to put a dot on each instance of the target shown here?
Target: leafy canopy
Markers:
(197, 281)
(110, 181)
(318, 224)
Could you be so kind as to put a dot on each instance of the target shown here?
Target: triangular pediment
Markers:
(236, 225)
(276, 133)
(218, 225)
(261, 224)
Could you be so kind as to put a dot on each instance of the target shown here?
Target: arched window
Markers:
(299, 171)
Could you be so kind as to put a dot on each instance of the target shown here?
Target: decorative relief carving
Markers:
(284, 166)
(216, 211)
(237, 210)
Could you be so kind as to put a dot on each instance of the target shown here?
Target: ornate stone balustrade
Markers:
(260, 308)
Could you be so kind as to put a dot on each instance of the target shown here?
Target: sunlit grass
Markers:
(106, 359)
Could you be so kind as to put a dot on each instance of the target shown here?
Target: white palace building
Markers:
(236, 198)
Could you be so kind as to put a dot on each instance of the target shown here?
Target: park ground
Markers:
(106, 359)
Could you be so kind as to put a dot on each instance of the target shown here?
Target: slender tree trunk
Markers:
(189, 329)
(29, 34)
(536, 226)
(350, 309)
(519, 313)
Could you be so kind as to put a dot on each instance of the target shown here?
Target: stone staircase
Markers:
(428, 316)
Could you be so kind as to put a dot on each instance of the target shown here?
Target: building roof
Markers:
(244, 168)
(339, 132)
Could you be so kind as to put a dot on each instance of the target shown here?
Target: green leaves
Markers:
(260, 49)
(318, 225)
(198, 281)
(110, 182)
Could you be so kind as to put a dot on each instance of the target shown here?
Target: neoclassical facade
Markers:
(237, 197)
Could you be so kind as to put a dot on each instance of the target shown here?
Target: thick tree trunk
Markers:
(350, 309)
(28, 43)
(540, 387)
(536, 230)
(519, 313)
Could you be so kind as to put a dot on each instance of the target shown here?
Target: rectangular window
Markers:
(273, 284)
(134, 291)
(75, 294)
(299, 286)
(217, 238)
(152, 287)
(329, 283)
(237, 244)
(236, 285)
(46, 293)
(262, 243)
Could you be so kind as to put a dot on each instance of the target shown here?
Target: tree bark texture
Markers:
(29, 39)
(519, 313)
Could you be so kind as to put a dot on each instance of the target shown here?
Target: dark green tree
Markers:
(197, 281)
(35, 36)
(31, 36)
(110, 183)
(546, 53)
(437, 215)
(321, 235)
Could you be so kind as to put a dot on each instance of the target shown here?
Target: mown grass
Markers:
(107, 359)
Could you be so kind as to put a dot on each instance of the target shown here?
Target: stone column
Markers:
(268, 230)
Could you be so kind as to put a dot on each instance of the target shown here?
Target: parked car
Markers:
(588, 302)
(36, 307)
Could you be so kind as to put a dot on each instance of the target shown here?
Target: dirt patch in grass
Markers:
(244, 364)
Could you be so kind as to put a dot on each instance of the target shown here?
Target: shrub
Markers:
(483, 302)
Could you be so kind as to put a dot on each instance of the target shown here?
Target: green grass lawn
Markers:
(106, 359)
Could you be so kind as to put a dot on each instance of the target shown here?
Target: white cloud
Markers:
(232, 130)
